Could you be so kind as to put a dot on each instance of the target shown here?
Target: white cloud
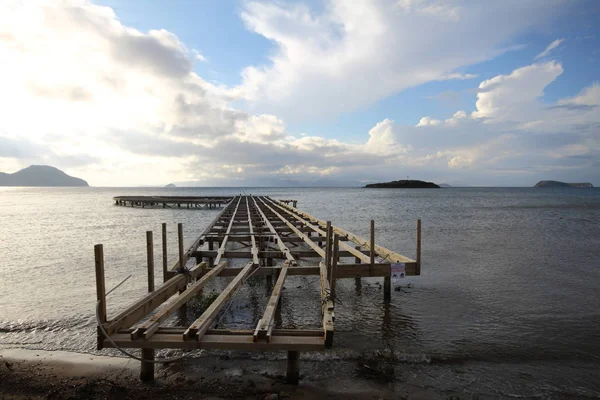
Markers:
(550, 47)
(354, 53)
(514, 97)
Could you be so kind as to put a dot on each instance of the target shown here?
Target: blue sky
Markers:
(321, 92)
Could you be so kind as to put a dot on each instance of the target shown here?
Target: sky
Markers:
(302, 93)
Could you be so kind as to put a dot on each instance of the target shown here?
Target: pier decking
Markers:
(276, 240)
(172, 201)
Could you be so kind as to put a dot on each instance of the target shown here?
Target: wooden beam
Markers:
(148, 303)
(381, 251)
(264, 324)
(149, 327)
(254, 249)
(309, 242)
(225, 342)
(284, 249)
(224, 242)
(201, 325)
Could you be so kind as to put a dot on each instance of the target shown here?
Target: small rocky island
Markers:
(557, 184)
(403, 184)
(170, 185)
(40, 175)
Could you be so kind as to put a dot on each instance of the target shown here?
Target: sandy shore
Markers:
(36, 374)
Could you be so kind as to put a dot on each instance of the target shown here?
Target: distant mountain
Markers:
(170, 185)
(40, 175)
(404, 184)
(445, 185)
(556, 184)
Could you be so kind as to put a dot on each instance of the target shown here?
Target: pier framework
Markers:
(276, 240)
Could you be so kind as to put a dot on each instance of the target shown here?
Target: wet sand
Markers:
(36, 374)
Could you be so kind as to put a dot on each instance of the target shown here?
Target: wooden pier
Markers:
(277, 241)
(172, 201)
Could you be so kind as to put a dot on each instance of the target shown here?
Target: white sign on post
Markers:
(398, 271)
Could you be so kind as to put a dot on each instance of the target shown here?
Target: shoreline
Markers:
(42, 374)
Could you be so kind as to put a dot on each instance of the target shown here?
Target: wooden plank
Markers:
(343, 271)
(254, 249)
(223, 342)
(178, 330)
(149, 327)
(148, 303)
(328, 226)
(304, 237)
(224, 242)
(201, 325)
(264, 324)
(200, 238)
(284, 249)
(386, 254)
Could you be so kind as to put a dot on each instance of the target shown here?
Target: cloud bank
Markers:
(123, 107)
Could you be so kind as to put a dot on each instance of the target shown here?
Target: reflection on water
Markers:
(510, 277)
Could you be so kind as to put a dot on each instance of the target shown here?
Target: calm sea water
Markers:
(508, 302)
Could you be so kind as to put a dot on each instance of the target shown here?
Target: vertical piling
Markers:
(293, 371)
(180, 240)
(372, 246)
(164, 252)
(328, 246)
(150, 258)
(100, 288)
(357, 261)
(147, 368)
(418, 247)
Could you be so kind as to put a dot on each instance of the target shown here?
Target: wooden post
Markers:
(164, 252)
(357, 261)
(150, 258)
(100, 288)
(372, 246)
(328, 246)
(293, 372)
(418, 247)
(180, 239)
(334, 263)
(147, 368)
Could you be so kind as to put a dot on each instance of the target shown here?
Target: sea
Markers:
(507, 305)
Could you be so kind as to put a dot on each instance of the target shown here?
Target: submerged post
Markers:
(150, 258)
(164, 252)
(100, 288)
(372, 246)
(180, 239)
(147, 368)
(293, 372)
(418, 247)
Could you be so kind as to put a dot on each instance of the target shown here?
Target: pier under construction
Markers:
(262, 236)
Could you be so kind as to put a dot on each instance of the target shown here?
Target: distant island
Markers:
(557, 184)
(40, 175)
(170, 185)
(445, 185)
(404, 184)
